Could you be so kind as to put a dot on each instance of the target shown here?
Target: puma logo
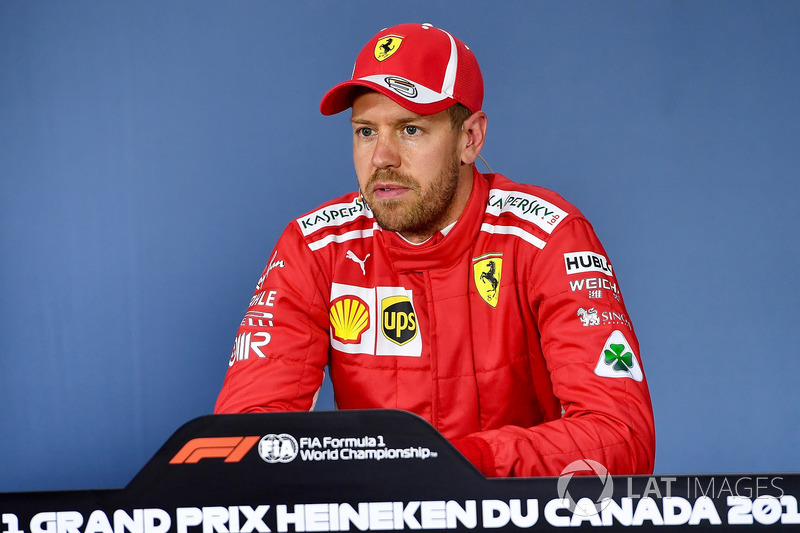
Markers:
(354, 257)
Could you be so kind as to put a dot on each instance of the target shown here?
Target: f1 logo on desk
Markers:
(231, 448)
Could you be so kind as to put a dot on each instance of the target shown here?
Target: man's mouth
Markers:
(385, 191)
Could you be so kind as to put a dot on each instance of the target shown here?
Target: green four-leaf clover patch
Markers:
(621, 360)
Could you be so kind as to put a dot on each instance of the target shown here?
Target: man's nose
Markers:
(385, 154)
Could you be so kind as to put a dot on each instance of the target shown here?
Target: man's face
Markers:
(408, 166)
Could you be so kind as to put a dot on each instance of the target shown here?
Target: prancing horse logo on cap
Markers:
(387, 46)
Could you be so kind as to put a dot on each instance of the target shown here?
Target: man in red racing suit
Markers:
(506, 330)
(508, 333)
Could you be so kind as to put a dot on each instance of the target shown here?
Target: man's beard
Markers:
(420, 216)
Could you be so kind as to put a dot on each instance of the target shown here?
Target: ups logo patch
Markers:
(398, 320)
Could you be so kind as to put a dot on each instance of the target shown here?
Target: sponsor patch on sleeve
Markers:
(595, 287)
(586, 261)
(617, 359)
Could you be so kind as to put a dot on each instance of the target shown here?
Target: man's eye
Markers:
(412, 130)
(364, 132)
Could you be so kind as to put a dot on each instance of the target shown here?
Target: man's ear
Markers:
(473, 133)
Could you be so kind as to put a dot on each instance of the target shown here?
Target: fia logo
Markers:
(278, 448)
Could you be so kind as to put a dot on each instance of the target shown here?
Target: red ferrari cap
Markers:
(422, 68)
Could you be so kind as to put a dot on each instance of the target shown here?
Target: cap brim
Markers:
(340, 98)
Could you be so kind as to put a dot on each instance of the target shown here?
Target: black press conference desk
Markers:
(383, 471)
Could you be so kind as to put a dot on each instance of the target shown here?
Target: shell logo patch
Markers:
(387, 46)
(487, 270)
(349, 317)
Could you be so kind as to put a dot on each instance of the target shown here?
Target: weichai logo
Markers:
(349, 317)
(398, 320)
(233, 449)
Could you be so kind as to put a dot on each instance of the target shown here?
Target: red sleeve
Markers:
(595, 366)
(281, 349)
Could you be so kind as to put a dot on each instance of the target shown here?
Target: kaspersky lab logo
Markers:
(586, 505)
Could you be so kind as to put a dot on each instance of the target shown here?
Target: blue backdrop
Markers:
(152, 151)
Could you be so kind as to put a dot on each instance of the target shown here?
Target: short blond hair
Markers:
(458, 113)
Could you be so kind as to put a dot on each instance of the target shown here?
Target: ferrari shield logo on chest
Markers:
(487, 270)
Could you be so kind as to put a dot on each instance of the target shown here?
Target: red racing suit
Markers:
(508, 334)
